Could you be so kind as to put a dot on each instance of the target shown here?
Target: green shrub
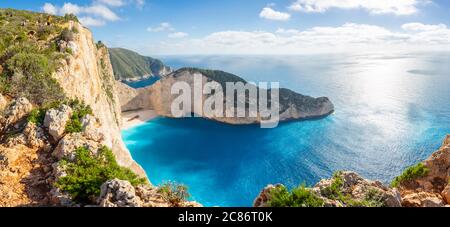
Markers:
(44, 32)
(372, 198)
(410, 173)
(69, 51)
(70, 17)
(334, 190)
(67, 35)
(174, 193)
(298, 197)
(88, 172)
(37, 116)
(79, 111)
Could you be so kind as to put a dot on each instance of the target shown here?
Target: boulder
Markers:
(56, 119)
(91, 128)
(69, 143)
(60, 198)
(423, 199)
(35, 136)
(3, 102)
(446, 194)
(118, 193)
(16, 111)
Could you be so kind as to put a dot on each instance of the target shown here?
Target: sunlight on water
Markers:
(391, 112)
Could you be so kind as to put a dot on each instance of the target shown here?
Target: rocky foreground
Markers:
(33, 157)
(430, 188)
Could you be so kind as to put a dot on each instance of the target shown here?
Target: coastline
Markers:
(134, 118)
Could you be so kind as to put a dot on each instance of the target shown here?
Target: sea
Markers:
(392, 110)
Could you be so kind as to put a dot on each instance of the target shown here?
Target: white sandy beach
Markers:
(134, 118)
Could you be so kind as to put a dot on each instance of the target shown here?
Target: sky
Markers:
(177, 27)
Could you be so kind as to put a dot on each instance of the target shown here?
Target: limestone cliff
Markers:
(87, 75)
(293, 106)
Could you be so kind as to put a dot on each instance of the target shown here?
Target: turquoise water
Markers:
(391, 112)
(143, 83)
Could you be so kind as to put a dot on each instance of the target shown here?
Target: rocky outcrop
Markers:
(422, 199)
(56, 119)
(158, 97)
(3, 102)
(91, 128)
(429, 190)
(118, 193)
(264, 196)
(128, 98)
(70, 142)
(15, 112)
(432, 189)
(344, 189)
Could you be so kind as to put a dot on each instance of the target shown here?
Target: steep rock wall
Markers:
(88, 76)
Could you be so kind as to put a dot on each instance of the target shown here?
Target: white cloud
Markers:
(50, 9)
(270, 14)
(91, 22)
(115, 3)
(287, 31)
(178, 35)
(95, 14)
(422, 27)
(101, 11)
(163, 27)
(397, 7)
(348, 37)
(69, 8)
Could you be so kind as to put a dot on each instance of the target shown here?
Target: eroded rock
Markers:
(3, 102)
(35, 136)
(118, 193)
(16, 111)
(264, 196)
(91, 128)
(69, 143)
(423, 199)
(446, 194)
(56, 119)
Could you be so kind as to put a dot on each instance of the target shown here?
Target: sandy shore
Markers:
(134, 118)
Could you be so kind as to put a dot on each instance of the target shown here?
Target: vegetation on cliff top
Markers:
(173, 193)
(89, 171)
(410, 173)
(371, 199)
(29, 54)
(128, 64)
(79, 111)
(298, 197)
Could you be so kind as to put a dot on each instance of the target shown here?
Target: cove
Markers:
(391, 112)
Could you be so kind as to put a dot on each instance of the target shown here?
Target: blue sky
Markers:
(155, 27)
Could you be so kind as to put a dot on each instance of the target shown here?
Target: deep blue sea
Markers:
(392, 110)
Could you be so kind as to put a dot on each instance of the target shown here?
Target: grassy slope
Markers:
(128, 64)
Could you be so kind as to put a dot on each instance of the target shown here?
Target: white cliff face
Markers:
(88, 76)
